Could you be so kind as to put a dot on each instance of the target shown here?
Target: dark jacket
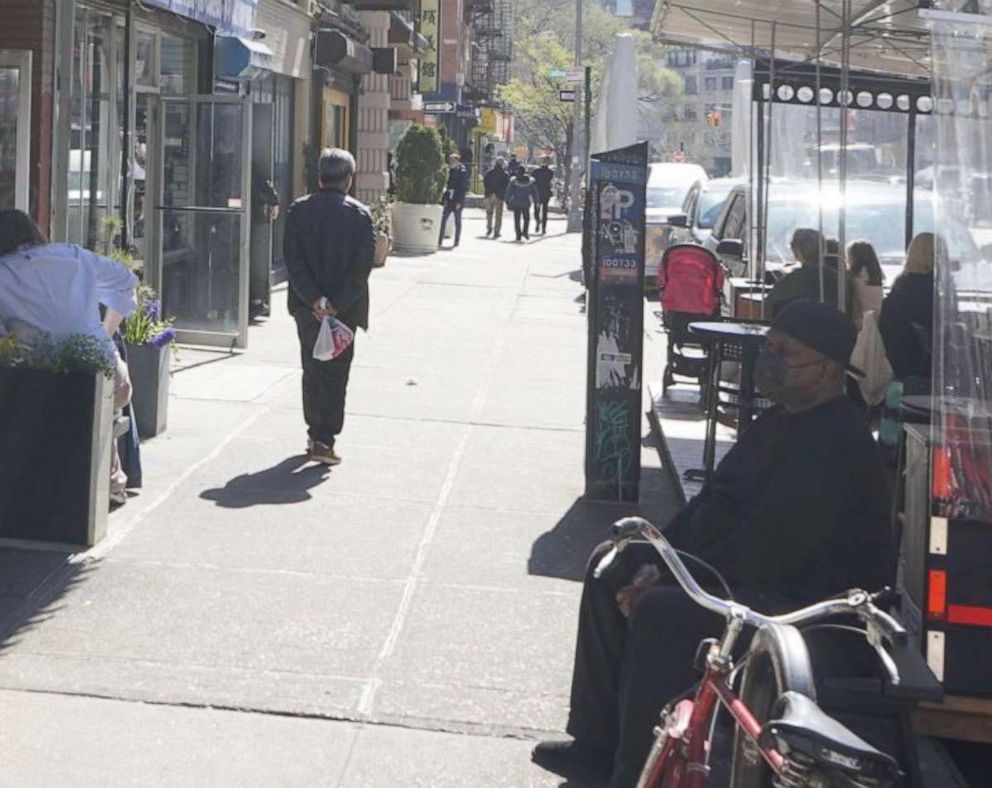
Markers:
(521, 192)
(329, 245)
(512, 166)
(457, 186)
(495, 182)
(544, 177)
(804, 283)
(797, 510)
(906, 325)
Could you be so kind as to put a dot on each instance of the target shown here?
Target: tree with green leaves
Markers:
(544, 39)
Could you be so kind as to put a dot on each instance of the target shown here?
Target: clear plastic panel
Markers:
(962, 339)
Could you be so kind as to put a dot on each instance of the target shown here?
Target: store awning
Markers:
(240, 58)
(403, 33)
(336, 50)
(885, 35)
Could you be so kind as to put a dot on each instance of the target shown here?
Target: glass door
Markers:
(262, 200)
(204, 222)
(15, 129)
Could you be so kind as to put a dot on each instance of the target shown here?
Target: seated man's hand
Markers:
(644, 580)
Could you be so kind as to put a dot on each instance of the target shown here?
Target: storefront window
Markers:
(178, 65)
(10, 94)
(94, 170)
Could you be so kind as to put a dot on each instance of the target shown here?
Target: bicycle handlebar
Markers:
(880, 627)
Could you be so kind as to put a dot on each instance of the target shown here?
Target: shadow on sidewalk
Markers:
(288, 482)
(564, 551)
(31, 584)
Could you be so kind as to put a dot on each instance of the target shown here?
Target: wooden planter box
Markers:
(56, 432)
(149, 370)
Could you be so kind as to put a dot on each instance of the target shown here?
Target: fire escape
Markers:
(492, 47)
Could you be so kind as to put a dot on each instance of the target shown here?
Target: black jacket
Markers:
(797, 510)
(906, 319)
(329, 246)
(495, 181)
(543, 176)
(457, 186)
(804, 283)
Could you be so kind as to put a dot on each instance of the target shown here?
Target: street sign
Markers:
(567, 95)
(556, 73)
(576, 76)
(439, 107)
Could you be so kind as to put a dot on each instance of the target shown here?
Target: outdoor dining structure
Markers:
(882, 111)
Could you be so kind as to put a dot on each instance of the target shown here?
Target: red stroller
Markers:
(690, 280)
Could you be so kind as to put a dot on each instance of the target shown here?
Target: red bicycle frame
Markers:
(684, 741)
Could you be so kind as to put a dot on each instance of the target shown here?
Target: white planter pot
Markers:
(416, 227)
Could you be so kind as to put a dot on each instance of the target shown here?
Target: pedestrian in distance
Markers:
(329, 246)
(514, 165)
(495, 182)
(544, 178)
(520, 195)
(454, 197)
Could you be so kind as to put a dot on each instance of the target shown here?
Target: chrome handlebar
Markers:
(880, 628)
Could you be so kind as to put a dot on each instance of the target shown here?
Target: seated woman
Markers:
(866, 280)
(57, 289)
(906, 317)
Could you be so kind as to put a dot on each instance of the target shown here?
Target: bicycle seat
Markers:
(800, 728)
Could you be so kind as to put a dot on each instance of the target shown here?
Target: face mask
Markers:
(771, 373)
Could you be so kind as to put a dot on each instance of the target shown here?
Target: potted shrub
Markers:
(149, 339)
(420, 180)
(383, 228)
(57, 424)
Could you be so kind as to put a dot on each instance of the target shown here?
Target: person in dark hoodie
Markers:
(544, 177)
(520, 195)
(454, 197)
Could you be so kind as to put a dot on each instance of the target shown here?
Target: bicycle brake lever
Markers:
(887, 662)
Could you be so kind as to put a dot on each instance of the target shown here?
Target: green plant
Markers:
(146, 326)
(382, 223)
(75, 353)
(420, 166)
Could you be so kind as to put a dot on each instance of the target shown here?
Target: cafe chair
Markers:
(690, 281)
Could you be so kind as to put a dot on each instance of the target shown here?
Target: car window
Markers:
(734, 226)
(710, 204)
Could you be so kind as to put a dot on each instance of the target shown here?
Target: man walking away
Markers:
(544, 178)
(519, 195)
(454, 197)
(495, 182)
(329, 245)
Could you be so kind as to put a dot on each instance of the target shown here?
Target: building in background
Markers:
(696, 127)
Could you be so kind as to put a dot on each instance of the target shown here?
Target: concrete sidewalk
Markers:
(407, 618)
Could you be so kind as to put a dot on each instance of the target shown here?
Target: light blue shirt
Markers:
(58, 288)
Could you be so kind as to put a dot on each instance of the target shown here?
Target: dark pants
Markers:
(449, 209)
(625, 671)
(324, 384)
(541, 215)
(521, 222)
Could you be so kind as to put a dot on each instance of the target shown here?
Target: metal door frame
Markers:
(21, 59)
(237, 339)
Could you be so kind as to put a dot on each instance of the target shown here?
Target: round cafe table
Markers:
(727, 341)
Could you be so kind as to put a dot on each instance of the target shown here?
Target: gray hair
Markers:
(335, 165)
(501, 161)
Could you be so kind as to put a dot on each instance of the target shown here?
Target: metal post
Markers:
(587, 131)
(845, 67)
(819, 152)
(574, 208)
(911, 173)
(127, 147)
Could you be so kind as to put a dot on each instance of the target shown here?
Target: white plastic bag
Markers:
(869, 356)
(333, 340)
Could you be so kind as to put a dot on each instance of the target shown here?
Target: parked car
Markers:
(692, 224)
(668, 188)
(668, 185)
(875, 211)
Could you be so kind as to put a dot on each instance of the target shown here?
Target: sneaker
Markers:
(573, 758)
(321, 452)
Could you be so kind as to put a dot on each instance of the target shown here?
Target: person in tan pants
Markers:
(495, 182)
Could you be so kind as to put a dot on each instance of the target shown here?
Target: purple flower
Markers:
(153, 309)
(162, 338)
